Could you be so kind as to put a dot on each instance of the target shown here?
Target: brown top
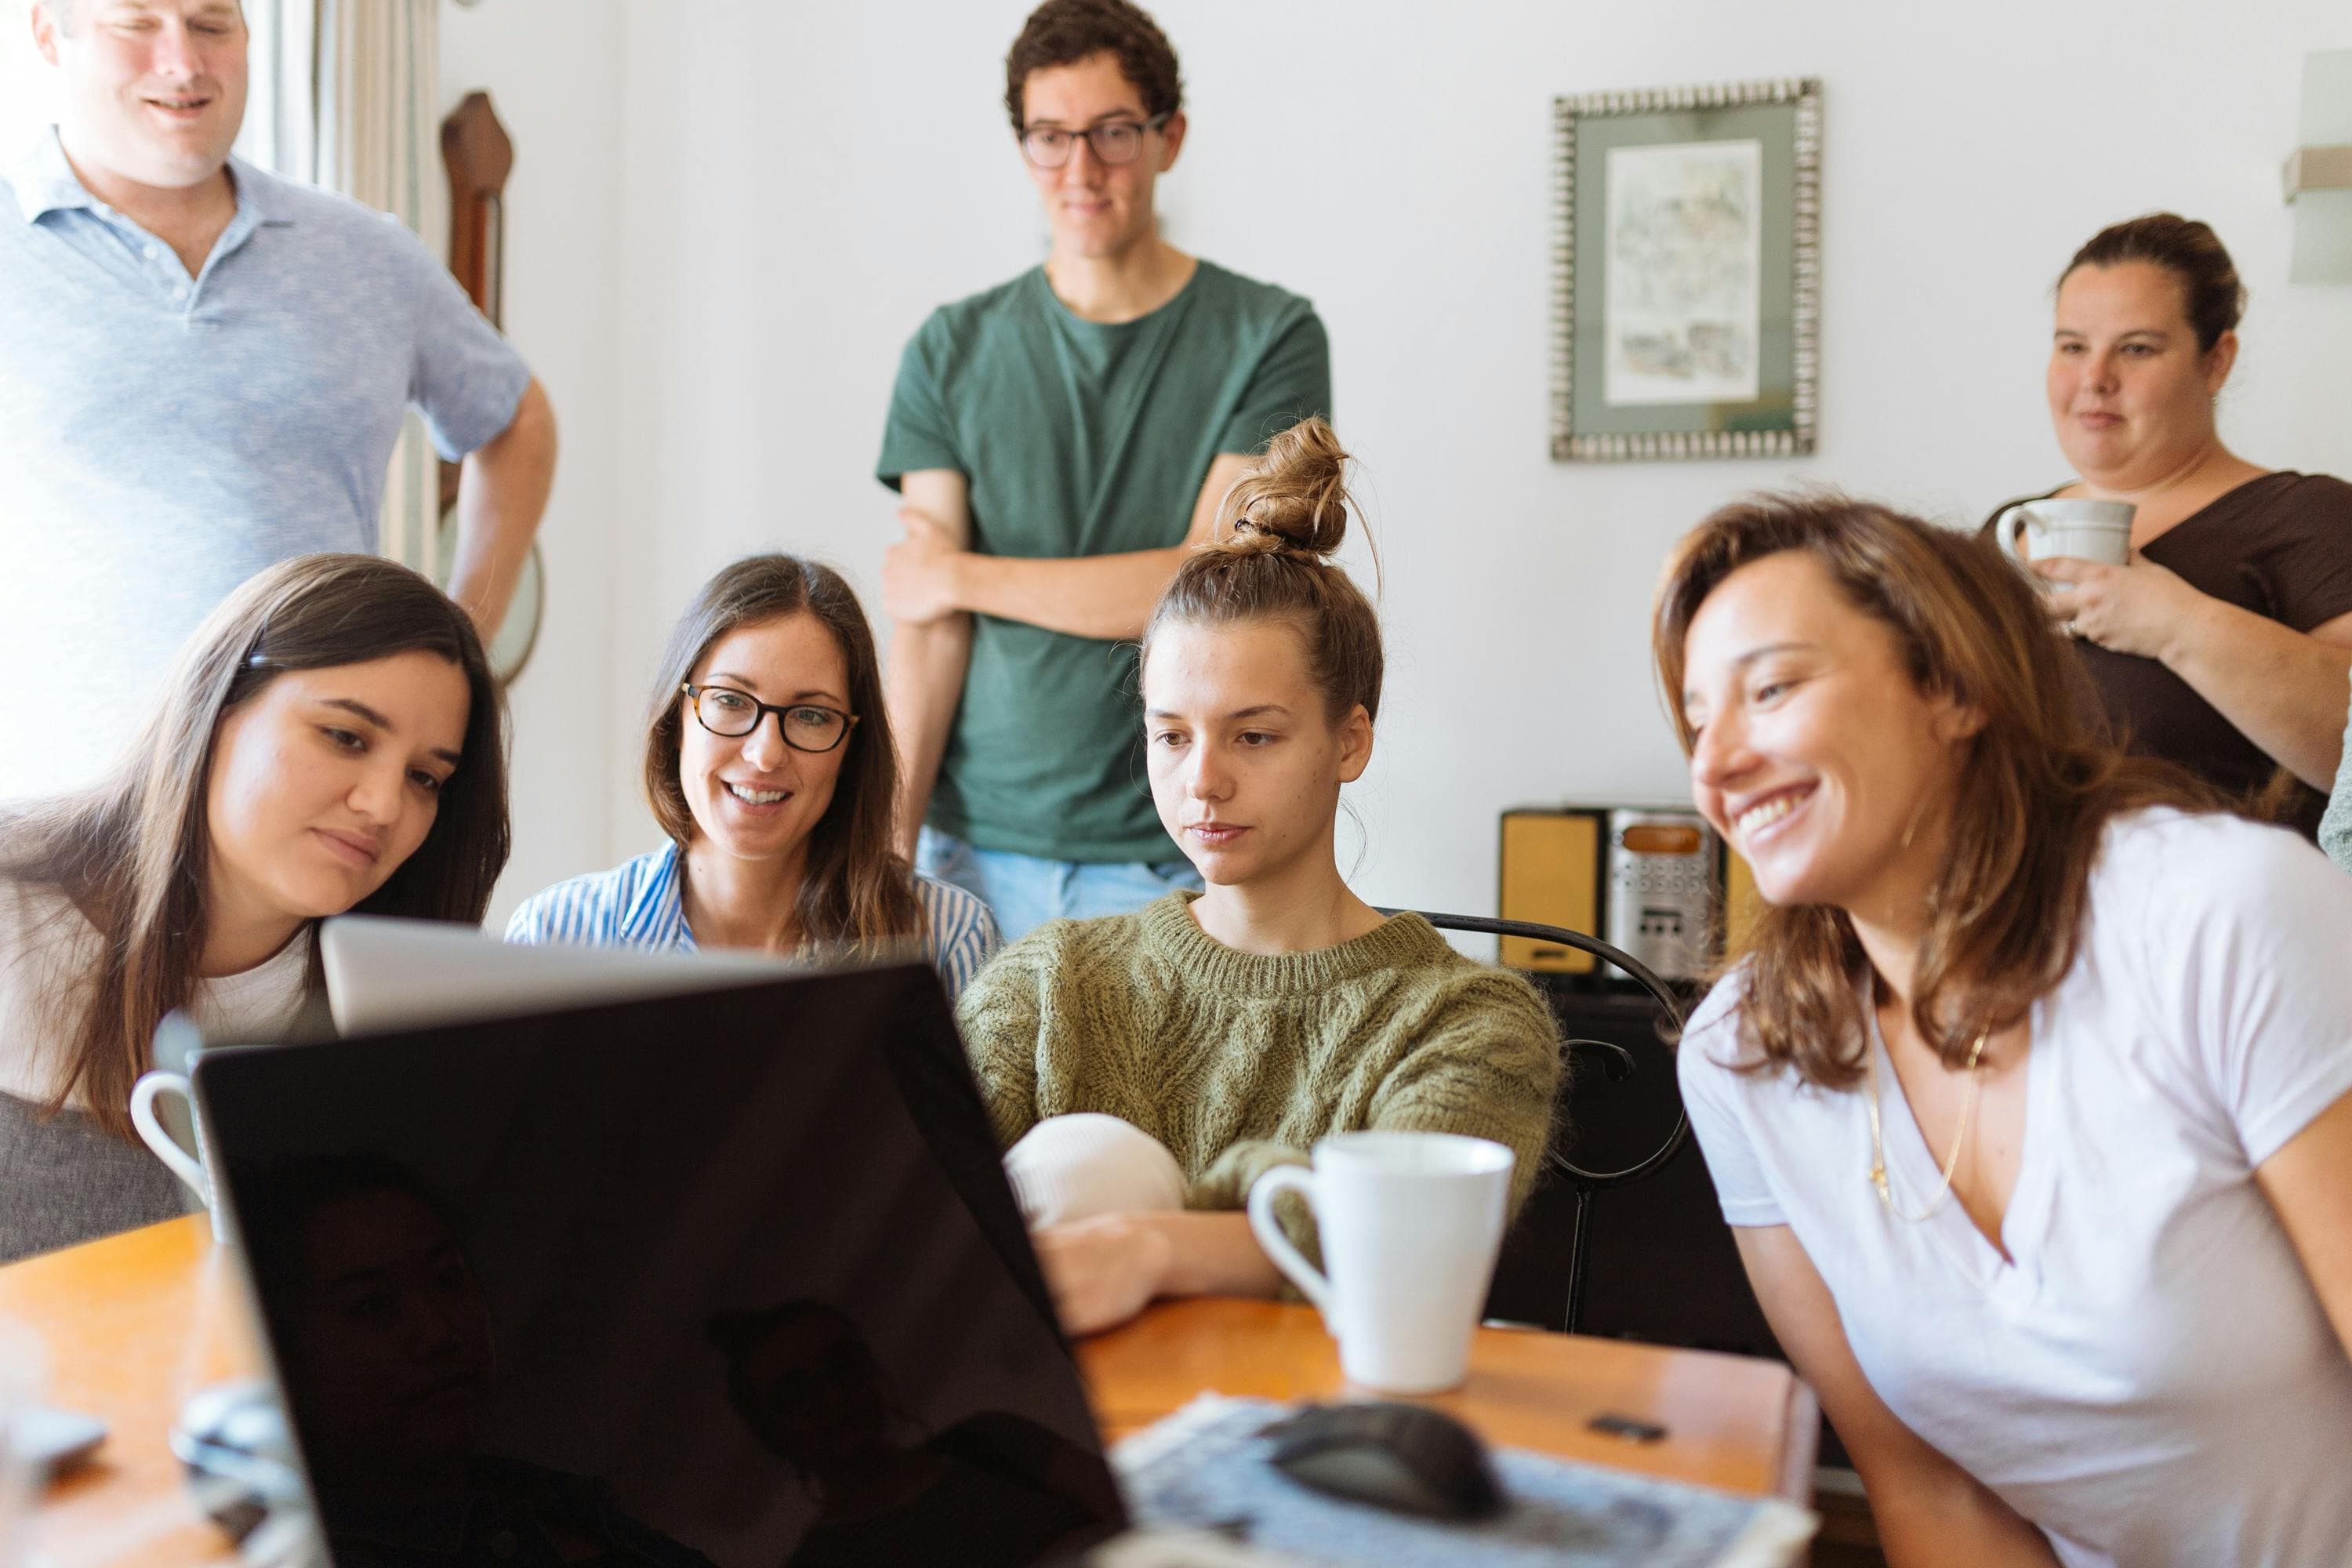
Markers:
(2280, 546)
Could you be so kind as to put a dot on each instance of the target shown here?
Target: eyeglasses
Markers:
(805, 726)
(1114, 142)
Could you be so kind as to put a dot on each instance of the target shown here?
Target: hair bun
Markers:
(1296, 498)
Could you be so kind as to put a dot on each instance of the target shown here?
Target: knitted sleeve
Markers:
(1485, 1061)
(999, 1015)
(1488, 1066)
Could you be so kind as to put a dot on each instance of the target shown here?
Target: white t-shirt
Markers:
(46, 942)
(2152, 1380)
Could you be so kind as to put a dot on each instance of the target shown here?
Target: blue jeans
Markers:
(1024, 892)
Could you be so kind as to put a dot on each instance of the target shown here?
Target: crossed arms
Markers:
(933, 583)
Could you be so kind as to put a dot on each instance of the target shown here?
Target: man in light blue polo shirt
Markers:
(203, 371)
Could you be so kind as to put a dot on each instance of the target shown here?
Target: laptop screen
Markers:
(727, 1279)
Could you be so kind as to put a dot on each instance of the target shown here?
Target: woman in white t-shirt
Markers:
(332, 739)
(2028, 1098)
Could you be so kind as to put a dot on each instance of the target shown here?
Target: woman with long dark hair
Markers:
(768, 765)
(2029, 1100)
(330, 739)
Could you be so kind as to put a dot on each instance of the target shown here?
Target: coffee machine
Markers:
(1647, 878)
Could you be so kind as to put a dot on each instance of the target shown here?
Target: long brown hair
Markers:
(857, 892)
(1274, 563)
(2036, 790)
(132, 852)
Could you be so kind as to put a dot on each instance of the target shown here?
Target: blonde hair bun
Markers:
(1298, 496)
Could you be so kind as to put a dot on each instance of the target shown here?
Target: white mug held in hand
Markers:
(1411, 1223)
(2084, 530)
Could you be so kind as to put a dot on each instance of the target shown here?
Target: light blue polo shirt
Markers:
(163, 438)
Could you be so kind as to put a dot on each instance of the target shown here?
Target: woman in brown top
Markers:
(2223, 646)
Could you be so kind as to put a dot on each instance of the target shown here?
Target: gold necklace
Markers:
(1960, 1137)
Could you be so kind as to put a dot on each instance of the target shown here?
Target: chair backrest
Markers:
(1617, 1062)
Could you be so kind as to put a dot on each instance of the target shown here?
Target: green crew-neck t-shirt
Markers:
(1080, 438)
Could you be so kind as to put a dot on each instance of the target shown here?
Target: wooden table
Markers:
(138, 1321)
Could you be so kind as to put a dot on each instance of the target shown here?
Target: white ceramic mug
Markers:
(1411, 1223)
(2085, 529)
(191, 1167)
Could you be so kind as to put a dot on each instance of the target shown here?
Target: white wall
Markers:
(799, 185)
(554, 72)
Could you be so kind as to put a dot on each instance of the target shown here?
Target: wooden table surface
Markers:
(135, 1323)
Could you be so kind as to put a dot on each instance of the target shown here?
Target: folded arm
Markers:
(934, 574)
(2285, 690)
(1930, 1514)
(923, 683)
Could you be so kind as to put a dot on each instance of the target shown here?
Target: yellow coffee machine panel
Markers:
(1551, 874)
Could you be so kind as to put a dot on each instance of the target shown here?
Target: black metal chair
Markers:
(1616, 1062)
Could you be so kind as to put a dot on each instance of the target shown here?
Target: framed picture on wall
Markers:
(1687, 297)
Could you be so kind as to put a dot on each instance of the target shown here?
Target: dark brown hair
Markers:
(1063, 32)
(856, 891)
(1274, 563)
(2211, 297)
(2036, 790)
(132, 851)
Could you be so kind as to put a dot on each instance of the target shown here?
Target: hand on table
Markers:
(2140, 609)
(1102, 1271)
(919, 571)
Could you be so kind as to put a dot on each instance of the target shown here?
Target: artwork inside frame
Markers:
(1687, 302)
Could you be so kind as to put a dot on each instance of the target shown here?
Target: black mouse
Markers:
(1405, 1457)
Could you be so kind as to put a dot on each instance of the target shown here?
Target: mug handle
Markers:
(1268, 1231)
(2005, 527)
(183, 1164)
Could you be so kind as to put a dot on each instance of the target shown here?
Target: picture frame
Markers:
(1686, 292)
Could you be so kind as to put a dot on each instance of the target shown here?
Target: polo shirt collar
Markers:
(45, 183)
(657, 915)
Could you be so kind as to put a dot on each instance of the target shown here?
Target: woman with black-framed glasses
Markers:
(770, 767)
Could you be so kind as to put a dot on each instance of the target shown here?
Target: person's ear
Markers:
(1955, 720)
(1171, 137)
(1355, 744)
(44, 28)
(2218, 361)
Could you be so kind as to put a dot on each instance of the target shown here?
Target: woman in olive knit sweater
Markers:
(1234, 1028)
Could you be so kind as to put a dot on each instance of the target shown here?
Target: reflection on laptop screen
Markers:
(727, 1279)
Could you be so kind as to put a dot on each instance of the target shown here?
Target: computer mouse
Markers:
(1406, 1457)
(233, 1441)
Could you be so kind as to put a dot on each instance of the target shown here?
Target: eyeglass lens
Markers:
(726, 712)
(1118, 141)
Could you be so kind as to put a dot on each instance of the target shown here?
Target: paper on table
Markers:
(1206, 1467)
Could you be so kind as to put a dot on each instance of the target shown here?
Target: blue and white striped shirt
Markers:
(639, 904)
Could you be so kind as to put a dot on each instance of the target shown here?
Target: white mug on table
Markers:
(1411, 1223)
(2081, 530)
(177, 1042)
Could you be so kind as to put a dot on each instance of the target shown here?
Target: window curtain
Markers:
(347, 94)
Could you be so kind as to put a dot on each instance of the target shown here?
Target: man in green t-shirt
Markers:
(1059, 442)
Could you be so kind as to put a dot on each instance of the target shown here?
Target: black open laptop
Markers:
(733, 1277)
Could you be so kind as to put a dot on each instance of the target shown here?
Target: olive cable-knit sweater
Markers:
(1239, 1061)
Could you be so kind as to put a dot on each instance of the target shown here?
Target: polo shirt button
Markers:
(149, 252)
(179, 290)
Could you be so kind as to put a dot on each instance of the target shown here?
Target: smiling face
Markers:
(325, 782)
(1245, 767)
(1817, 756)
(1098, 210)
(155, 89)
(752, 796)
(2131, 395)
